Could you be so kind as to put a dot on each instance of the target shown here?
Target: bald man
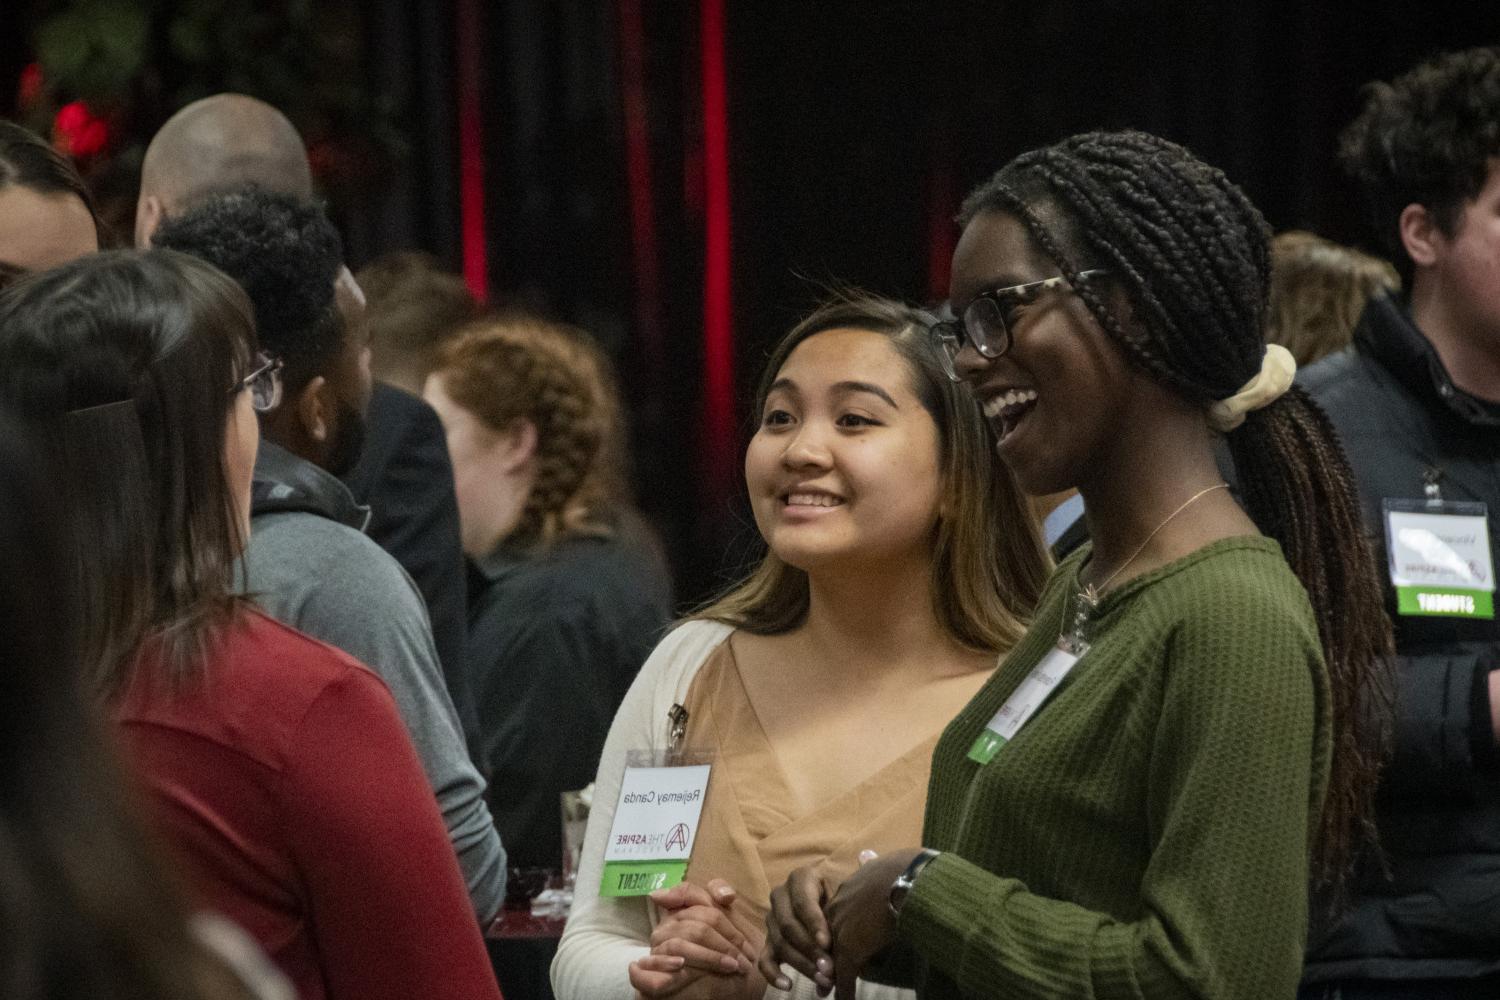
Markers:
(226, 143)
(223, 141)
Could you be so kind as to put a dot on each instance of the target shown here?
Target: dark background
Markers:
(854, 130)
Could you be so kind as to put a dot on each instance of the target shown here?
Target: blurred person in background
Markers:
(1319, 289)
(901, 562)
(307, 560)
(277, 766)
(562, 610)
(403, 475)
(1416, 401)
(46, 212)
(565, 604)
(413, 307)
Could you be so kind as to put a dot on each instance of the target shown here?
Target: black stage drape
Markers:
(854, 128)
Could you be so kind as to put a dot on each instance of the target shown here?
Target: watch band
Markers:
(902, 886)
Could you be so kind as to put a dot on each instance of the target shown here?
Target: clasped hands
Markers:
(829, 932)
(826, 931)
(701, 950)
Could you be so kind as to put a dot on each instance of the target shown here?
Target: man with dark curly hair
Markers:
(403, 472)
(1416, 399)
(308, 561)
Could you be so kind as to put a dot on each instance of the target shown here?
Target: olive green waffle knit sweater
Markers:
(1146, 832)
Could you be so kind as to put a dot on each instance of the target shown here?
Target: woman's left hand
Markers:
(860, 918)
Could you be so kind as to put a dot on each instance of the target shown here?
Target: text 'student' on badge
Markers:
(656, 820)
(1439, 558)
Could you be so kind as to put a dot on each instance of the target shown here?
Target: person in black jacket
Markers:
(1416, 399)
(404, 476)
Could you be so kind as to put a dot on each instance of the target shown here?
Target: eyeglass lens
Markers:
(985, 324)
(265, 387)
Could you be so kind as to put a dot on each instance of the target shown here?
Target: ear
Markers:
(314, 410)
(1420, 235)
(517, 445)
(148, 215)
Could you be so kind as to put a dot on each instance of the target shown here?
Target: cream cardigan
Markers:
(604, 935)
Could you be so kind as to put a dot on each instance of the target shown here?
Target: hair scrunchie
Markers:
(1277, 369)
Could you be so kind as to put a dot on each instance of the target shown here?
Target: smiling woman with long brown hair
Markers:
(901, 562)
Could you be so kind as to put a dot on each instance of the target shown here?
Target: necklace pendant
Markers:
(1089, 596)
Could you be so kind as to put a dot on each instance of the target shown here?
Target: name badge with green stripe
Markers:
(656, 822)
(1440, 559)
(1023, 703)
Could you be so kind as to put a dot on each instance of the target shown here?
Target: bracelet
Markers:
(902, 886)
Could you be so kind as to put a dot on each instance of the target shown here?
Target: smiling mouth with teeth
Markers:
(1006, 410)
(811, 500)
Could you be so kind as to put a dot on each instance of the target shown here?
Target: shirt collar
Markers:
(500, 563)
(283, 481)
(1063, 517)
(1387, 332)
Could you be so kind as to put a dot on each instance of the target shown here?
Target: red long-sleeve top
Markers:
(296, 803)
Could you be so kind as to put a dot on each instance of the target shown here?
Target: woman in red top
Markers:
(277, 766)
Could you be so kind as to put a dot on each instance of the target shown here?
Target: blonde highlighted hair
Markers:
(988, 561)
(512, 367)
(1318, 291)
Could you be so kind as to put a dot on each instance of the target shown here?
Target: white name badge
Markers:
(656, 821)
(1440, 561)
(1023, 703)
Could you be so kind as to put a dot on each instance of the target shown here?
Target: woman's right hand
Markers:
(696, 940)
(797, 931)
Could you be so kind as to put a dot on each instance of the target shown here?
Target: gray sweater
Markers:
(309, 565)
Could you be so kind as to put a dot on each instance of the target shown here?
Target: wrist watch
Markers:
(902, 886)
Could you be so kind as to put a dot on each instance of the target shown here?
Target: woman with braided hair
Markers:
(565, 597)
(1186, 742)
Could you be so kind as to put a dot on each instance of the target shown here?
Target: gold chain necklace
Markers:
(1089, 596)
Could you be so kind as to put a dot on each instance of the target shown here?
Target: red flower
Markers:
(77, 132)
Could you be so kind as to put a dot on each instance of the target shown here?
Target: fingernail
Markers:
(677, 961)
(783, 983)
(723, 892)
(825, 966)
(824, 984)
(729, 964)
(865, 857)
(823, 941)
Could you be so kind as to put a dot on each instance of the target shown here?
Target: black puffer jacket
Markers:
(1403, 420)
